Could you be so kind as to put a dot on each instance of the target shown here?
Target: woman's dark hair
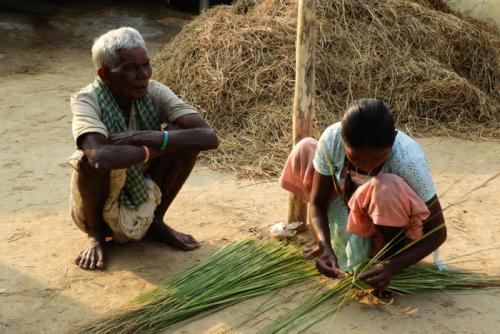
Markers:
(367, 123)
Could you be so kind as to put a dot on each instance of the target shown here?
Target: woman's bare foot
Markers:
(161, 232)
(93, 256)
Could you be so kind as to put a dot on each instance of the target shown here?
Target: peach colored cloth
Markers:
(389, 201)
(298, 172)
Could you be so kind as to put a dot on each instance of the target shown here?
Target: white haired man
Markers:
(127, 170)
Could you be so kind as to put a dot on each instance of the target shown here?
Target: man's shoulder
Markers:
(154, 87)
(153, 84)
(158, 91)
(86, 95)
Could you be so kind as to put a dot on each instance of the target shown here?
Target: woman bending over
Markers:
(383, 175)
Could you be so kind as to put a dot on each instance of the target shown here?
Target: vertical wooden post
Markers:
(203, 5)
(303, 103)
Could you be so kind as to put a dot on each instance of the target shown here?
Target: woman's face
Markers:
(366, 158)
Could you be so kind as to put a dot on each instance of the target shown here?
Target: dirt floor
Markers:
(45, 58)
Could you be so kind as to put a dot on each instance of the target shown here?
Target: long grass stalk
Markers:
(414, 279)
(235, 273)
(291, 320)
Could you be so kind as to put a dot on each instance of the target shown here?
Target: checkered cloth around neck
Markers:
(135, 191)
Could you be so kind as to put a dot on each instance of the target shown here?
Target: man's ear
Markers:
(103, 74)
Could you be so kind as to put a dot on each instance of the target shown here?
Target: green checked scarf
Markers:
(135, 191)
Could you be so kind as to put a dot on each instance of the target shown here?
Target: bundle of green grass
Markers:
(413, 280)
(251, 268)
(437, 71)
(235, 273)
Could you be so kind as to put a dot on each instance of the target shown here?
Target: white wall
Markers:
(479, 9)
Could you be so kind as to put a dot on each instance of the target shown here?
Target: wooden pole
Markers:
(303, 103)
(203, 5)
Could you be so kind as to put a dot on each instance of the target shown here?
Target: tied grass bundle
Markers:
(235, 273)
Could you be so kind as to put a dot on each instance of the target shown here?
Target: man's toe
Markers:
(87, 263)
(101, 264)
(192, 240)
(81, 263)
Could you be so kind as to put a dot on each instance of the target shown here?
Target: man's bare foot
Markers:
(312, 252)
(93, 256)
(161, 232)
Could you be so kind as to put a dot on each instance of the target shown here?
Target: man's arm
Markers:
(380, 275)
(105, 156)
(125, 149)
(189, 133)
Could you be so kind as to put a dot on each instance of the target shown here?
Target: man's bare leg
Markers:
(170, 172)
(94, 189)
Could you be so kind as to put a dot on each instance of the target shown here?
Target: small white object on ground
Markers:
(281, 231)
(437, 261)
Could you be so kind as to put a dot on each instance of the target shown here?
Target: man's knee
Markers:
(91, 180)
(189, 156)
(178, 158)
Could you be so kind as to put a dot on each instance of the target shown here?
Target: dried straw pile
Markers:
(437, 71)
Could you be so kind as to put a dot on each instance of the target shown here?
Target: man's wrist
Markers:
(164, 142)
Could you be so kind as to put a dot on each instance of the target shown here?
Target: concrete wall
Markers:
(479, 9)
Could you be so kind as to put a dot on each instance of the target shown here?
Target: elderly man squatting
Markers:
(127, 170)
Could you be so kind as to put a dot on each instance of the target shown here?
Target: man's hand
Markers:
(379, 276)
(326, 264)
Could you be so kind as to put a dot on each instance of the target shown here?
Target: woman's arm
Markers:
(321, 192)
(380, 275)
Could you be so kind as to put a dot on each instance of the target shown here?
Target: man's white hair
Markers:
(105, 48)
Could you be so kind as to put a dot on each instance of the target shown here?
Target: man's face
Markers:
(130, 75)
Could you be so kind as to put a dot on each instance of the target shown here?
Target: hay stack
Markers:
(437, 71)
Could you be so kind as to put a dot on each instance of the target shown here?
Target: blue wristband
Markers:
(165, 140)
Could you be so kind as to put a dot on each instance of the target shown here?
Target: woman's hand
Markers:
(378, 276)
(326, 264)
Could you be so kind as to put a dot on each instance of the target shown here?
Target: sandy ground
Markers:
(42, 291)
(479, 9)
